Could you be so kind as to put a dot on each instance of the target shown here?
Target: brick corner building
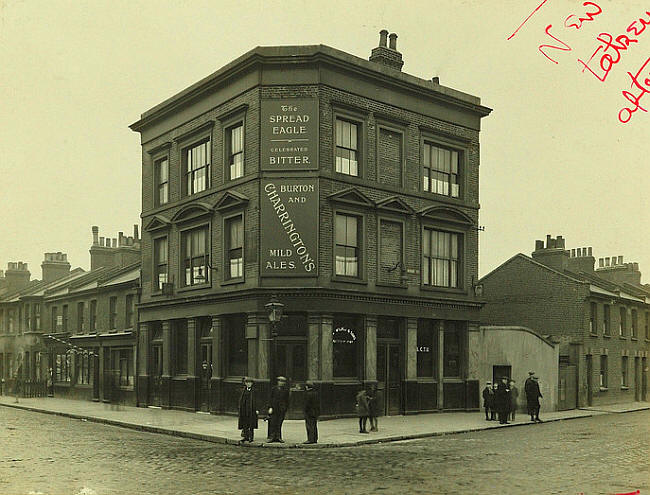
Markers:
(600, 318)
(343, 187)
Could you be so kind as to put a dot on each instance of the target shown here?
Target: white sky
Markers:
(555, 159)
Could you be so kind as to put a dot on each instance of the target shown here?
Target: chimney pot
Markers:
(573, 253)
(135, 231)
(539, 245)
(620, 260)
(601, 262)
(393, 41)
(120, 236)
(95, 230)
(589, 251)
(606, 261)
(101, 241)
(114, 242)
(435, 80)
(382, 37)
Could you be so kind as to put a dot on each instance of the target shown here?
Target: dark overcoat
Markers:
(279, 400)
(312, 405)
(488, 397)
(531, 387)
(502, 398)
(514, 397)
(247, 409)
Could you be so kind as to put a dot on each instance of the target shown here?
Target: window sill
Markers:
(593, 335)
(634, 338)
(607, 336)
(233, 281)
(444, 290)
(349, 380)
(350, 280)
(625, 387)
(190, 288)
(603, 389)
(622, 337)
(128, 388)
(392, 286)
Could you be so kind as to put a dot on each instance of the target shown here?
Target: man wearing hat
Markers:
(488, 401)
(277, 410)
(502, 400)
(247, 410)
(312, 411)
(533, 394)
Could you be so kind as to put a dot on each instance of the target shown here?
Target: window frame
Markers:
(360, 120)
(112, 313)
(460, 261)
(206, 256)
(92, 316)
(229, 126)
(81, 305)
(226, 248)
(129, 310)
(361, 240)
(593, 318)
(625, 375)
(156, 284)
(603, 372)
(187, 176)
(157, 183)
(65, 317)
(54, 313)
(622, 322)
(358, 344)
(634, 324)
(431, 139)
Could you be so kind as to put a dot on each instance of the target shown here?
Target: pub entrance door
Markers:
(206, 374)
(389, 378)
(156, 375)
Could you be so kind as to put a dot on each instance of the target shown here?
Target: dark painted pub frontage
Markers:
(340, 190)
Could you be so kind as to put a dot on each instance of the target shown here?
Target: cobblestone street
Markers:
(50, 455)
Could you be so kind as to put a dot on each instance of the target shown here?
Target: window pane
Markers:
(339, 132)
(351, 231)
(353, 136)
(340, 228)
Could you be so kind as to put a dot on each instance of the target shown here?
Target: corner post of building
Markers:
(440, 369)
(472, 372)
(144, 338)
(166, 378)
(326, 387)
(192, 380)
(104, 373)
(313, 347)
(252, 338)
(370, 351)
(216, 403)
(410, 365)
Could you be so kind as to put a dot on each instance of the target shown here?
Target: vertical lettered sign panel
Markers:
(289, 233)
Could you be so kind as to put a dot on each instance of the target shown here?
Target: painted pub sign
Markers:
(289, 133)
(289, 233)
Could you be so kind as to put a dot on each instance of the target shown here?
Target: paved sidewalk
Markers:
(332, 433)
(620, 408)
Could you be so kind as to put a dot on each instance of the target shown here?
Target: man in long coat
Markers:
(533, 395)
(247, 411)
(312, 411)
(278, 406)
(488, 401)
(514, 397)
(502, 400)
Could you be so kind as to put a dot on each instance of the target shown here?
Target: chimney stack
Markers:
(387, 55)
(135, 232)
(553, 255)
(16, 276)
(55, 266)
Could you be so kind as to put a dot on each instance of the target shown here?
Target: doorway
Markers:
(389, 378)
(205, 374)
(499, 372)
(590, 384)
(637, 379)
(156, 375)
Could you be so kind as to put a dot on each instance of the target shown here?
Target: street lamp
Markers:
(274, 309)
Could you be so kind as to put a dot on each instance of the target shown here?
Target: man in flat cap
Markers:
(533, 394)
(488, 401)
(502, 400)
(277, 410)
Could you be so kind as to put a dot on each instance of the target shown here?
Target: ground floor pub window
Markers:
(180, 347)
(426, 348)
(123, 366)
(453, 347)
(346, 335)
(291, 348)
(62, 367)
(237, 346)
(85, 368)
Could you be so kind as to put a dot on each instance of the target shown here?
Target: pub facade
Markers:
(340, 187)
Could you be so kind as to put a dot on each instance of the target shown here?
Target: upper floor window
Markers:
(80, 317)
(647, 325)
(441, 171)
(162, 181)
(128, 319)
(603, 371)
(28, 317)
(194, 245)
(197, 168)
(235, 247)
(10, 321)
(160, 262)
(55, 313)
(347, 147)
(37, 316)
(635, 323)
(440, 258)
(93, 316)
(65, 317)
(235, 136)
(347, 245)
(622, 326)
(593, 318)
(112, 312)
(607, 329)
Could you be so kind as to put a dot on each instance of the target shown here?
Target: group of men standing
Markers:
(501, 399)
(276, 411)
